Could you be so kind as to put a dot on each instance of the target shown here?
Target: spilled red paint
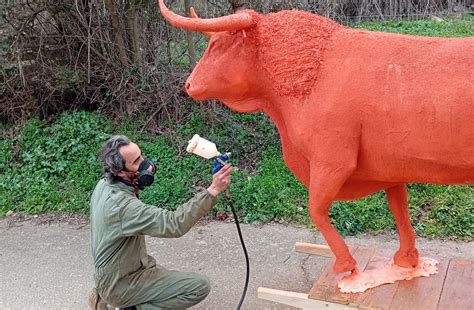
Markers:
(357, 111)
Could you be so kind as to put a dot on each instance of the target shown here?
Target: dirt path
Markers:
(49, 265)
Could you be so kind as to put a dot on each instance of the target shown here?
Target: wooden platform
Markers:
(451, 288)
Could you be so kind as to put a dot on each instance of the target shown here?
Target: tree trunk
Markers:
(189, 38)
(109, 4)
(133, 31)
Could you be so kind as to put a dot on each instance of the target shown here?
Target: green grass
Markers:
(449, 27)
(49, 167)
(271, 192)
(54, 166)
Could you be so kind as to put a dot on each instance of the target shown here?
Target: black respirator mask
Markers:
(145, 176)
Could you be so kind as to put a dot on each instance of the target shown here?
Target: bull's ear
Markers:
(194, 15)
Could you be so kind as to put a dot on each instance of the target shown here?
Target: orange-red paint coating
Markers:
(357, 111)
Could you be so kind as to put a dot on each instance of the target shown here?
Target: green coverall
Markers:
(124, 274)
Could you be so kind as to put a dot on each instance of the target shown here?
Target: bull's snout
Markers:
(187, 86)
(194, 91)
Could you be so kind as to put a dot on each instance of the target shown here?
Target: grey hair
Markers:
(112, 161)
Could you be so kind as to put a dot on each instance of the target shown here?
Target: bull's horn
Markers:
(234, 22)
(194, 15)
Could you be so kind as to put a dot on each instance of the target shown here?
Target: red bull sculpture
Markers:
(357, 111)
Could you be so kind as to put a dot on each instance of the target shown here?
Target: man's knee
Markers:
(202, 287)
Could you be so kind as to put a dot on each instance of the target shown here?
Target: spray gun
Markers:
(208, 150)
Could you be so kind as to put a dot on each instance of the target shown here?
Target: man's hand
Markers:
(220, 181)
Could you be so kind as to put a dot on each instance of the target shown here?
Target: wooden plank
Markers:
(298, 300)
(458, 292)
(326, 288)
(450, 288)
(421, 292)
(313, 249)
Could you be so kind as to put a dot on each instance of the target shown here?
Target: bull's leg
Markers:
(407, 255)
(325, 184)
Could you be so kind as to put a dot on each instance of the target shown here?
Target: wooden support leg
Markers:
(298, 300)
(313, 249)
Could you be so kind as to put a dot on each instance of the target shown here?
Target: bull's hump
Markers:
(291, 47)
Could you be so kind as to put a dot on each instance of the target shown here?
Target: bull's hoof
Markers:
(406, 259)
(344, 265)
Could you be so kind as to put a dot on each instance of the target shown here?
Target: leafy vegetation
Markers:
(49, 167)
(53, 165)
(448, 27)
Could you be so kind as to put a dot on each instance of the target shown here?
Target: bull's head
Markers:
(228, 70)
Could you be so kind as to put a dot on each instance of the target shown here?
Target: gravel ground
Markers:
(45, 261)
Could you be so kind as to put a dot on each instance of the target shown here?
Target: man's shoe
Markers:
(95, 302)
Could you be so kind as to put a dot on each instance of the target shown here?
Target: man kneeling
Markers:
(125, 275)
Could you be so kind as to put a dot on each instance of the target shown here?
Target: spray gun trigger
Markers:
(220, 161)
